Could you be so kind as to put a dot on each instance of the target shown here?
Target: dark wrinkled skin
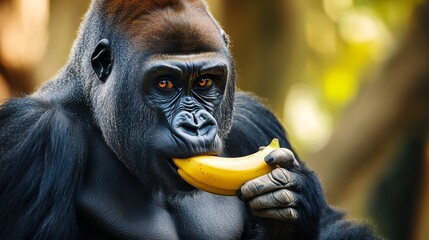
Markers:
(88, 156)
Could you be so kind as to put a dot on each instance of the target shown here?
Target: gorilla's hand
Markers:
(275, 195)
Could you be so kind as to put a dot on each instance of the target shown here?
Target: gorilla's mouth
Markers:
(203, 141)
(173, 166)
(182, 184)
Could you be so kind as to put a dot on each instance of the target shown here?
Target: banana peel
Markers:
(224, 176)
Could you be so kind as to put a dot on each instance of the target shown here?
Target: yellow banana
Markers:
(222, 175)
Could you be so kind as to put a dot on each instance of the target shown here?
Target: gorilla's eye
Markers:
(165, 84)
(204, 82)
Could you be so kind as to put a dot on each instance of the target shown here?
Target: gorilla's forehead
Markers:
(170, 27)
(115, 6)
(200, 62)
(206, 56)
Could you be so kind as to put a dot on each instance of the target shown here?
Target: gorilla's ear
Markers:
(102, 59)
(225, 38)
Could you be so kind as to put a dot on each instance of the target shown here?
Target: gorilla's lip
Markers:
(184, 186)
(173, 166)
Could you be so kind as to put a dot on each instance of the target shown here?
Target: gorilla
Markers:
(88, 155)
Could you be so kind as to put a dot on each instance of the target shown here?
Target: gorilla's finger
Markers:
(284, 214)
(277, 179)
(276, 199)
(282, 157)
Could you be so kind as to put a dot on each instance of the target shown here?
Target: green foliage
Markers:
(345, 40)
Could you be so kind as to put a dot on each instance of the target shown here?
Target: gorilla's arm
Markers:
(335, 226)
(254, 126)
(41, 156)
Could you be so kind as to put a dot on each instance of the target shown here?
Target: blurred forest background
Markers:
(348, 78)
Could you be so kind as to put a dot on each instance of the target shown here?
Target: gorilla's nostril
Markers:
(187, 116)
(189, 128)
(196, 130)
(192, 131)
(205, 129)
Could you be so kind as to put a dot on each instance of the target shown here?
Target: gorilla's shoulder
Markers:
(42, 150)
(33, 119)
(251, 102)
(254, 125)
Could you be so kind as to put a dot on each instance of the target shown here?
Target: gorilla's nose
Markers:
(189, 126)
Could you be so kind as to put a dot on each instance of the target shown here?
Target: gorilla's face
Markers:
(166, 91)
(185, 90)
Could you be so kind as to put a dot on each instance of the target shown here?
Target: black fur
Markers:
(334, 226)
(43, 150)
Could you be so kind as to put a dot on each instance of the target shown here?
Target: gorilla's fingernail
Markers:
(269, 159)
